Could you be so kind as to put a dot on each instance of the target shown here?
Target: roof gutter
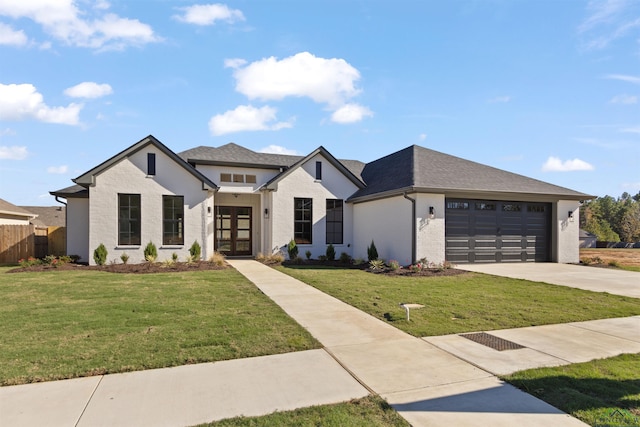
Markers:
(413, 226)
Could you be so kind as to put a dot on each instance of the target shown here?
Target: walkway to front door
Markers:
(233, 230)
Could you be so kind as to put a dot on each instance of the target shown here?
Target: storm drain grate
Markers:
(492, 341)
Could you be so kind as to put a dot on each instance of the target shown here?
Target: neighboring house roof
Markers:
(49, 216)
(234, 155)
(586, 235)
(420, 169)
(271, 185)
(87, 179)
(7, 208)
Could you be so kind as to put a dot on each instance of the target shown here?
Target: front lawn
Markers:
(463, 303)
(601, 392)
(65, 324)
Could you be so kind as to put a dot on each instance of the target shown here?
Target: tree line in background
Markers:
(612, 220)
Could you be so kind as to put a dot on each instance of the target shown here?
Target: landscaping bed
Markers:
(146, 267)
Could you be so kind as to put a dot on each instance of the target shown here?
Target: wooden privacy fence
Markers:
(24, 241)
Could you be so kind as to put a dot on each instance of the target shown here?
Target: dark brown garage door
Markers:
(497, 231)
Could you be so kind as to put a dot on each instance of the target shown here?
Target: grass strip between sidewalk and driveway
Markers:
(371, 411)
(66, 324)
(468, 302)
(600, 392)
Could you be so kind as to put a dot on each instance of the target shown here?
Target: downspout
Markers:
(66, 224)
(413, 226)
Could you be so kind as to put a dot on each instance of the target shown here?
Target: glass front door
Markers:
(233, 230)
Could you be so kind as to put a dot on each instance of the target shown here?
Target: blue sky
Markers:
(547, 89)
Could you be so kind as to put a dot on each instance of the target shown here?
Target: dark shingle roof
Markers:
(76, 191)
(10, 208)
(418, 168)
(234, 155)
(49, 216)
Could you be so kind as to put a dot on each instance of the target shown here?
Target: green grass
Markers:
(600, 392)
(463, 303)
(64, 324)
(368, 412)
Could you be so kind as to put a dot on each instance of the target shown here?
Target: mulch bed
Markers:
(386, 271)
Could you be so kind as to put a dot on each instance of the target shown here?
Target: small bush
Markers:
(65, 259)
(292, 249)
(345, 258)
(331, 252)
(276, 258)
(394, 265)
(308, 254)
(217, 259)
(174, 257)
(372, 252)
(358, 261)
(124, 258)
(376, 264)
(150, 252)
(322, 258)
(75, 258)
(100, 254)
(196, 251)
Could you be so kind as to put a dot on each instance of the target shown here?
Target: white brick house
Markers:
(415, 203)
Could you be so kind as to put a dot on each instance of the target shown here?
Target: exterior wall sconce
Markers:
(571, 217)
(266, 213)
(432, 212)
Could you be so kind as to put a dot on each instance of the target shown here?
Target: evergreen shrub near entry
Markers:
(195, 250)
(372, 252)
(100, 254)
(150, 252)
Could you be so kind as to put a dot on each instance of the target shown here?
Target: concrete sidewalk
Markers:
(425, 384)
(184, 395)
(433, 381)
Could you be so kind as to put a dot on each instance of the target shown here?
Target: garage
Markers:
(497, 231)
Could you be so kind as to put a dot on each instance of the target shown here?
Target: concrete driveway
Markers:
(613, 281)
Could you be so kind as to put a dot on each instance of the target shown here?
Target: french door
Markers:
(233, 230)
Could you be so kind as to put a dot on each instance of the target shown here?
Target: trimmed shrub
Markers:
(292, 249)
(345, 258)
(100, 254)
(308, 254)
(174, 257)
(331, 252)
(124, 257)
(195, 250)
(372, 252)
(150, 252)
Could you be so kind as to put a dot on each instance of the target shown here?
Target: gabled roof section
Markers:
(11, 209)
(417, 168)
(271, 185)
(88, 178)
(234, 155)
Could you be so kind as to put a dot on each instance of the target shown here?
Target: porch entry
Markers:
(233, 230)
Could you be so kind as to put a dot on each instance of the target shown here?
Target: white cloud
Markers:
(631, 130)
(7, 132)
(350, 113)
(499, 99)
(13, 153)
(607, 21)
(208, 14)
(22, 101)
(327, 81)
(624, 78)
(422, 136)
(65, 21)
(11, 37)
(234, 62)
(624, 99)
(89, 90)
(276, 149)
(60, 170)
(246, 118)
(554, 164)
